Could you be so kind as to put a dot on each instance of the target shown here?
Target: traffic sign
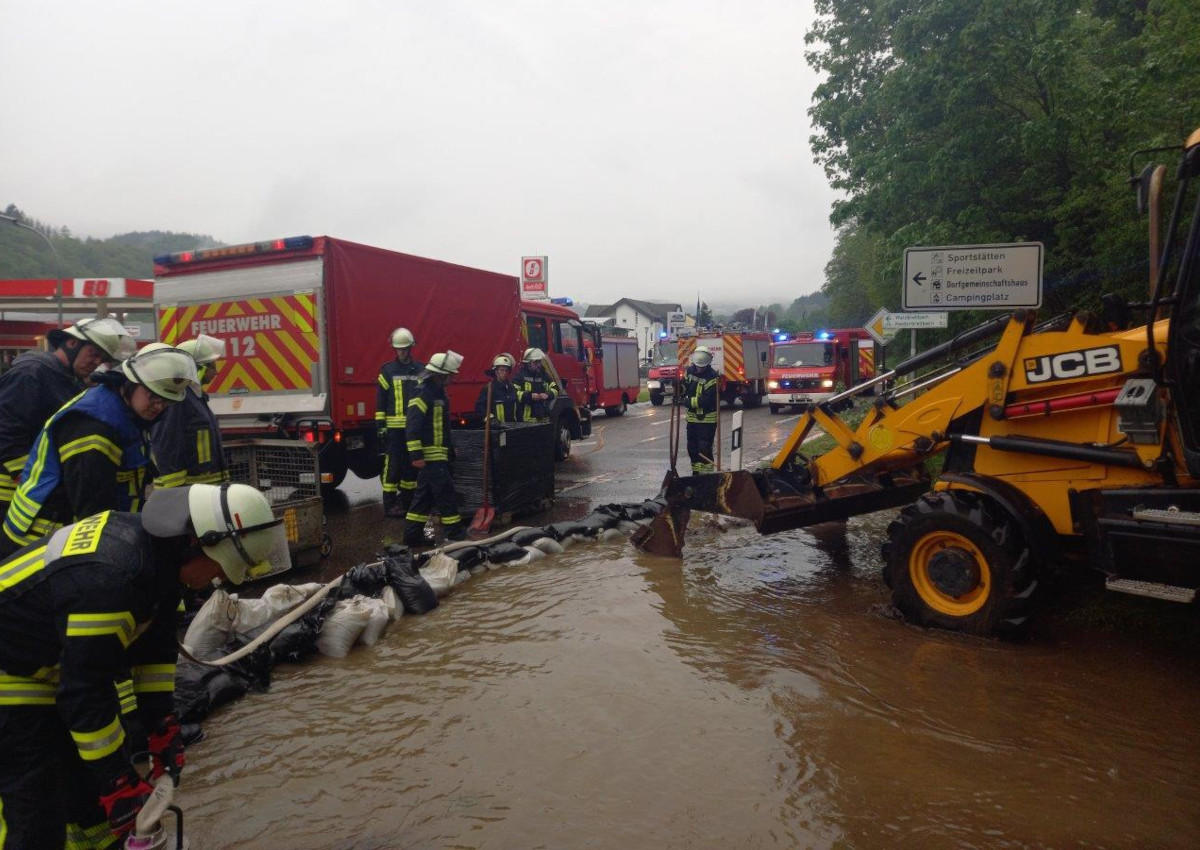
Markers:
(535, 278)
(914, 321)
(875, 328)
(973, 277)
(676, 322)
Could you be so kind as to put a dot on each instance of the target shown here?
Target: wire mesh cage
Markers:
(288, 473)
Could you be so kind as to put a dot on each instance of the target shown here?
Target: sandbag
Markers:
(560, 530)
(283, 597)
(526, 536)
(503, 552)
(299, 639)
(627, 527)
(392, 601)
(611, 535)
(548, 545)
(199, 689)
(364, 580)
(343, 627)
(439, 573)
(377, 622)
(597, 522)
(467, 557)
(212, 625)
(532, 553)
(253, 614)
(416, 596)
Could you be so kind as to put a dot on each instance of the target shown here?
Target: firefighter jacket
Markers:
(398, 385)
(527, 384)
(428, 429)
(504, 402)
(699, 394)
(36, 386)
(78, 611)
(186, 444)
(91, 456)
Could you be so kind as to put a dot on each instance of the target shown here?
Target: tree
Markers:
(705, 319)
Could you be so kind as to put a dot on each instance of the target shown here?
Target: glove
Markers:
(124, 796)
(166, 747)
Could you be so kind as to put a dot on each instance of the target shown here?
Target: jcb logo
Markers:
(1073, 364)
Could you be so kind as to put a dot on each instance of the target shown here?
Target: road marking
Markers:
(662, 422)
(595, 479)
(652, 439)
(789, 419)
(584, 443)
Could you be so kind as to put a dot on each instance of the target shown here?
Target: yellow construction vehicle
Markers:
(1077, 437)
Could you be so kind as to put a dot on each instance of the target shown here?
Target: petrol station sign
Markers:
(535, 278)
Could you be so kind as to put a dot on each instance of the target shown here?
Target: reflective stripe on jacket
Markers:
(398, 384)
(428, 429)
(699, 393)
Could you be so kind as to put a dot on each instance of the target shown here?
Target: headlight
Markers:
(772, 385)
(827, 383)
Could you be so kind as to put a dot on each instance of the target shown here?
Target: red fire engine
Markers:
(809, 367)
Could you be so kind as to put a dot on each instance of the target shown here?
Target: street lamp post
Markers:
(58, 289)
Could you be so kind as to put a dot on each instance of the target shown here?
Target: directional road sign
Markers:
(973, 277)
(893, 322)
(875, 328)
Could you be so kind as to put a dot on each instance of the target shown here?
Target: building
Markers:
(643, 320)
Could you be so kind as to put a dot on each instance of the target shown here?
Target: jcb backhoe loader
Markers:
(1079, 436)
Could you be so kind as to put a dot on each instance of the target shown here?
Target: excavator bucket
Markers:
(775, 500)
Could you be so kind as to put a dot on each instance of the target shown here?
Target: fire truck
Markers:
(812, 366)
(739, 359)
(614, 382)
(661, 378)
(306, 322)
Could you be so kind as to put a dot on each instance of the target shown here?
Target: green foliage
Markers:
(972, 121)
(25, 255)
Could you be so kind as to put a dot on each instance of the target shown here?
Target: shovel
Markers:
(482, 523)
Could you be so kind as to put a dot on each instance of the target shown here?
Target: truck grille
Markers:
(801, 384)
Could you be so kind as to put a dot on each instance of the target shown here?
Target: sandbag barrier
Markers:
(359, 606)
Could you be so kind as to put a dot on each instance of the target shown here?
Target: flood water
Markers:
(758, 696)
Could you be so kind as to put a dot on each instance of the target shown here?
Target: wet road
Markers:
(759, 695)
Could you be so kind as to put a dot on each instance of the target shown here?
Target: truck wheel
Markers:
(958, 562)
(562, 438)
(775, 408)
(656, 399)
(619, 409)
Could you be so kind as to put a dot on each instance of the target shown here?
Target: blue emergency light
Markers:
(562, 302)
(662, 334)
(824, 335)
(224, 252)
(781, 337)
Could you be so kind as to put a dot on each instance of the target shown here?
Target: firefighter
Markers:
(186, 441)
(40, 382)
(699, 393)
(504, 393)
(535, 388)
(93, 599)
(429, 447)
(397, 387)
(92, 455)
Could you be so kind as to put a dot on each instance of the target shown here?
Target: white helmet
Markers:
(444, 364)
(505, 359)
(402, 338)
(204, 349)
(533, 354)
(232, 521)
(163, 370)
(702, 356)
(107, 334)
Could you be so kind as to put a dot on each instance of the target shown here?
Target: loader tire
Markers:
(957, 561)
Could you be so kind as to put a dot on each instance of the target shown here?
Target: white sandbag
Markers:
(462, 577)
(395, 609)
(212, 625)
(554, 547)
(343, 627)
(308, 589)
(478, 568)
(610, 535)
(283, 597)
(534, 555)
(253, 613)
(377, 623)
(439, 572)
(628, 526)
(576, 538)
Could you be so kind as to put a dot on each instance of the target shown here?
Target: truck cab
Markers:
(810, 367)
(664, 371)
(558, 331)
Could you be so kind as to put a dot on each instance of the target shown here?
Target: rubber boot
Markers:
(391, 506)
(455, 531)
(414, 534)
(404, 500)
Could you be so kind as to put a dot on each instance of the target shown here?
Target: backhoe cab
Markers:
(1077, 436)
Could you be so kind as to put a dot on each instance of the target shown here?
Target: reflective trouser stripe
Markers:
(203, 446)
(94, 746)
(407, 484)
(208, 478)
(171, 479)
(396, 421)
(98, 837)
(411, 517)
(125, 695)
(154, 678)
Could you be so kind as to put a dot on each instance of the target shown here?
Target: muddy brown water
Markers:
(757, 696)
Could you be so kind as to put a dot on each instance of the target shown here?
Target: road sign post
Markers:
(973, 277)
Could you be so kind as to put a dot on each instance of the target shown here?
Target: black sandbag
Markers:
(503, 552)
(414, 592)
(467, 557)
(255, 669)
(298, 639)
(199, 690)
(636, 511)
(563, 530)
(653, 507)
(363, 580)
(615, 511)
(596, 522)
(529, 535)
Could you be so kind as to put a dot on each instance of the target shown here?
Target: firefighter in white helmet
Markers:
(186, 440)
(397, 386)
(504, 392)
(429, 447)
(536, 390)
(40, 382)
(92, 455)
(103, 600)
(699, 393)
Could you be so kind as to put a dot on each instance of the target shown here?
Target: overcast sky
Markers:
(650, 148)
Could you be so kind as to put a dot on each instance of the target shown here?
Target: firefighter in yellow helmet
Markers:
(77, 610)
(397, 386)
(186, 440)
(429, 447)
(699, 394)
(504, 392)
(536, 390)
